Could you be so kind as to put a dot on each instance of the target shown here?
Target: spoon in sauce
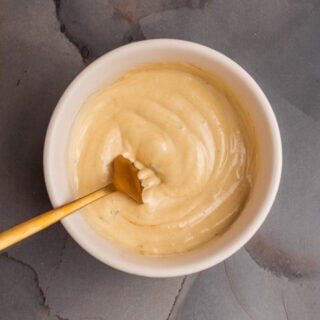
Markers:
(125, 179)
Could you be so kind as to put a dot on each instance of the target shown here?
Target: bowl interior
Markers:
(108, 68)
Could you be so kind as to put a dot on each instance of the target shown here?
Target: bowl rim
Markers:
(247, 233)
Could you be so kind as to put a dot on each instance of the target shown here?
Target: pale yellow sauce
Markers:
(191, 132)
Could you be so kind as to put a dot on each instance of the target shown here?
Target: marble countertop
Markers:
(44, 44)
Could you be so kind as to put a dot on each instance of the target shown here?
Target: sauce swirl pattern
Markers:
(195, 141)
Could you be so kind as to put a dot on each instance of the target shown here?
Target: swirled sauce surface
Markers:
(194, 137)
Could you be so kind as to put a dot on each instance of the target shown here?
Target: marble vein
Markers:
(234, 293)
(284, 307)
(83, 50)
(104, 25)
(57, 267)
(176, 298)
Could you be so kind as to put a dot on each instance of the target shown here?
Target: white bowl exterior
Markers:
(104, 71)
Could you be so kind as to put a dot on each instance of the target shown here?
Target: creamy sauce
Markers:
(195, 141)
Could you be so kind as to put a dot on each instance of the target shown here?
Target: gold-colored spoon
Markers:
(125, 179)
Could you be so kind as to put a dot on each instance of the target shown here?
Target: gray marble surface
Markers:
(44, 44)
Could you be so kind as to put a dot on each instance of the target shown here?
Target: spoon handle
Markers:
(38, 223)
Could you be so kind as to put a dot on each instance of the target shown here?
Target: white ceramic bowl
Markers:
(108, 68)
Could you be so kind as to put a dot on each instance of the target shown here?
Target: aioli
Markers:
(192, 133)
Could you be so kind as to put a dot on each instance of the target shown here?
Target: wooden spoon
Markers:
(125, 179)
